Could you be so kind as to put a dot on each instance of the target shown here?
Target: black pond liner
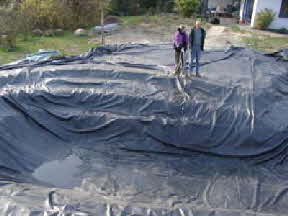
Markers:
(113, 132)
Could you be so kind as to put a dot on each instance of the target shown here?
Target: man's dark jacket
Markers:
(203, 36)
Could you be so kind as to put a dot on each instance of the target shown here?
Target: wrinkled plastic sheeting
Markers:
(280, 55)
(148, 143)
(285, 54)
(106, 28)
(41, 55)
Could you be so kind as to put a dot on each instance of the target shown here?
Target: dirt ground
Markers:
(217, 36)
(222, 37)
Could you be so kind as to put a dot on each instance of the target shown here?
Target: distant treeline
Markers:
(26, 15)
(140, 7)
(117, 7)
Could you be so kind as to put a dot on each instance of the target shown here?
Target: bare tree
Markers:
(9, 25)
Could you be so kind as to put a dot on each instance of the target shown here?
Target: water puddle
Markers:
(60, 173)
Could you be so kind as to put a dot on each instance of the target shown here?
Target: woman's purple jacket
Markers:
(180, 40)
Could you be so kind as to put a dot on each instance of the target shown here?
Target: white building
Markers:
(250, 8)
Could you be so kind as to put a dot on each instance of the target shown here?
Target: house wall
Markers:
(275, 5)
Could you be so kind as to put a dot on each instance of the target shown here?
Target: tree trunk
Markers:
(204, 7)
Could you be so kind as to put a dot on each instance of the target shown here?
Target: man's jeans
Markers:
(195, 56)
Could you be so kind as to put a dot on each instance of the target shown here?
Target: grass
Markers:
(131, 21)
(67, 44)
(165, 20)
(237, 29)
(265, 43)
(134, 20)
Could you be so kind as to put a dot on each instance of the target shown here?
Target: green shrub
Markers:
(85, 13)
(264, 18)
(47, 14)
(235, 28)
(188, 8)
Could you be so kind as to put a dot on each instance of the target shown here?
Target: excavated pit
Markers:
(113, 132)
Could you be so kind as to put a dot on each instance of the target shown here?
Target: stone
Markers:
(37, 32)
(80, 32)
(49, 33)
(4, 37)
(59, 32)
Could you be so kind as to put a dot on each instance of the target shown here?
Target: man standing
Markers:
(197, 40)
(180, 43)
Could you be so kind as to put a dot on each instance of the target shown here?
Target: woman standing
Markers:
(180, 47)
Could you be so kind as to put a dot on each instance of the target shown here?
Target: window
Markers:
(284, 9)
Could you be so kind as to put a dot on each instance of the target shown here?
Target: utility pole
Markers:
(104, 4)
(102, 23)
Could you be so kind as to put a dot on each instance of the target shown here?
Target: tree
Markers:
(157, 5)
(41, 13)
(84, 13)
(140, 7)
(188, 8)
(204, 7)
(62, 13)
(10, 23)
